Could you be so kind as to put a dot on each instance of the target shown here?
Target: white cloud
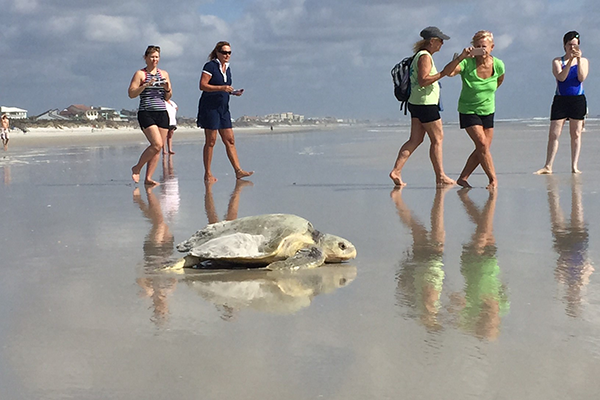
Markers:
(25, 6)
(110, 29)
(285, 52)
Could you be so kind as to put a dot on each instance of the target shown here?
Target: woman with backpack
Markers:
(424, 108)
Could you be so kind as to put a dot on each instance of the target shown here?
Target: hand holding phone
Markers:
(237, 92)
(478, 51)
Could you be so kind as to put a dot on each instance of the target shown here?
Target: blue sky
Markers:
(311, 57)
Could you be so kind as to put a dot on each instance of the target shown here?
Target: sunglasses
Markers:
(154, 47)
(225, 53)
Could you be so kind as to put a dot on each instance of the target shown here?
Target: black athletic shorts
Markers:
(467, 120)
(424, 113)
(572, 107)
(149, 118)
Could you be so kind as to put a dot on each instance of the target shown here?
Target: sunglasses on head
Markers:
(226, 53)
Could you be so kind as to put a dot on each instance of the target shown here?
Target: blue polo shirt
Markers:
(213, 100)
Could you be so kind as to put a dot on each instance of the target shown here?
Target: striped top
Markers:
(152, 98)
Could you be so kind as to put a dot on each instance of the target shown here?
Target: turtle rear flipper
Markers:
(308, 257)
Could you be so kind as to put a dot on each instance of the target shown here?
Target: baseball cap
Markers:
(433, 31)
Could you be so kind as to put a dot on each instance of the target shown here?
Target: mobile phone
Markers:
(237, 91)
(478, 51)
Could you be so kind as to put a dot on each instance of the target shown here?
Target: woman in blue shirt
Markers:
(213, 109)
(569, 102)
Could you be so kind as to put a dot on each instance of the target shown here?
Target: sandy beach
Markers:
(43, 136)
(454, 293)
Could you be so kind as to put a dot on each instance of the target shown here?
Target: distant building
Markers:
(51, 115)
(78, 111)
(83, 112)
(13, 112)
(109, 114)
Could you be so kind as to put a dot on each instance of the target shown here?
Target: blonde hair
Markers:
(421, 45)
(483, 35)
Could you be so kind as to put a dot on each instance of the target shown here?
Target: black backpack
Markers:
(401, 78)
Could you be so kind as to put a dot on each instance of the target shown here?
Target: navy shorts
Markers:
(149, 118)
(467, 120)
(572, 107)
(424, 113)
(214, 118)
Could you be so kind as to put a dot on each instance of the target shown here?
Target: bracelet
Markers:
(168, 91)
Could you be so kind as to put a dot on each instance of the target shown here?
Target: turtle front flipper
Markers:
(307, 257)
(185, 262)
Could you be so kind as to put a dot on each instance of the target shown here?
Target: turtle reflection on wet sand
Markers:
(274, 241)
(275, 292)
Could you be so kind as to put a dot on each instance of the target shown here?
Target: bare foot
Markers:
(492, 186)
(575, 171)
(171, 152)
(445, 181)
(543, 171)
(240, 173)
(135, 175)
(150, 182)
(396, 178)
(463, 183)
(210, 178)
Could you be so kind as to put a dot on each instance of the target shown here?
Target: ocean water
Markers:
(454, 293)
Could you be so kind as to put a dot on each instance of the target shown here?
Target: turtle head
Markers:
(337, 249)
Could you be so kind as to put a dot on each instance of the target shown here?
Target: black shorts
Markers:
(149, 118)
(424, 113)
(572, 107)
(467, 120)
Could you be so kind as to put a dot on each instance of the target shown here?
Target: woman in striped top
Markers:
(153, 87)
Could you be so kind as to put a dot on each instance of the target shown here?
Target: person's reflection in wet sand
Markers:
(421, 273)
(158, 248)
(234, 201)
(169, 189)
(571, 241)
(227, 313)
(485, 300)
(7, 179)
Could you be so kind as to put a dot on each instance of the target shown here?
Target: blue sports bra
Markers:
(570, 86)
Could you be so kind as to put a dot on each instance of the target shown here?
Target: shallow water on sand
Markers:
(454, 293)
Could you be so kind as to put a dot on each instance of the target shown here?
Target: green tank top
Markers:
(428, 95)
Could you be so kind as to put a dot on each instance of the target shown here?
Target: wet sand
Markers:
(454, 293)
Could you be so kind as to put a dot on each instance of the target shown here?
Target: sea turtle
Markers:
(275, 241)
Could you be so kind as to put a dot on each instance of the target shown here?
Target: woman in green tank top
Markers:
(481, 76)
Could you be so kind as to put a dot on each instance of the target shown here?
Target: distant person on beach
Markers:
(154, 88)
(424, 107)
(172, 111)
(4, 131)
(213, 109)
(482, 74)
(570, 70)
